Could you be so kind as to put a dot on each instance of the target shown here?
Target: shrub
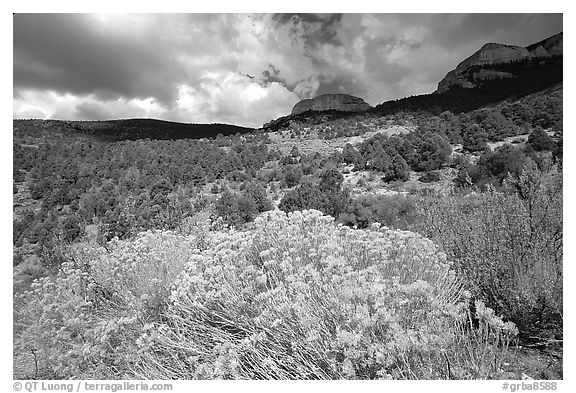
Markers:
(326, 195)
(507, 245)
(292, 175)
(539, 140)
(91, 320)
(558, 150)
(237, 176)
(460, 161)
(240, 208)
(474, 138)
(257, 192)
(331, 180)
(429, 177)
(433, 151)
(301, 298)
(350, 155)
(400, 168)
(396, 211)
(494, 167)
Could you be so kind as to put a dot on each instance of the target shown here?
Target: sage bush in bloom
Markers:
(91, 319)
(295, 297)
(299, 297)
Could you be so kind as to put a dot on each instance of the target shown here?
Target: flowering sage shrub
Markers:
(91, 320)
(299, 297)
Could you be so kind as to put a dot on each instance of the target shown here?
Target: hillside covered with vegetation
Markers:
(129, 129)
(435, 252)
(530, 76)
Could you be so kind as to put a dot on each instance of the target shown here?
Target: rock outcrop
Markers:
(339, 102)
(491, 54)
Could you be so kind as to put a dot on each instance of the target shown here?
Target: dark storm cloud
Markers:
(319, 28)
(310, 18)
(241, 68)
(68, 53)
(271, 75)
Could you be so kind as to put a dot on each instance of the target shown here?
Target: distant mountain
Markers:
(338, 102)
(494, 73)
(326, 106)
(134, 129)
(482, 64)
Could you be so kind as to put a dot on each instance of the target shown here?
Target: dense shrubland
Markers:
(506, 161)
(393, 157)
(506, 241)
(472, 128)
(122, 188)
(296, 297)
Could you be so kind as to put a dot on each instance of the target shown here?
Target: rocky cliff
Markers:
(339, 102)
(491, 54)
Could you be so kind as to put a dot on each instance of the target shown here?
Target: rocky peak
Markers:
(493, 53)
(325, 102)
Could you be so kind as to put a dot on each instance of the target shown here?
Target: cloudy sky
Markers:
(240, 68)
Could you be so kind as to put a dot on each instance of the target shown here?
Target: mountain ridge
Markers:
(491, 54)
(137, 128)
